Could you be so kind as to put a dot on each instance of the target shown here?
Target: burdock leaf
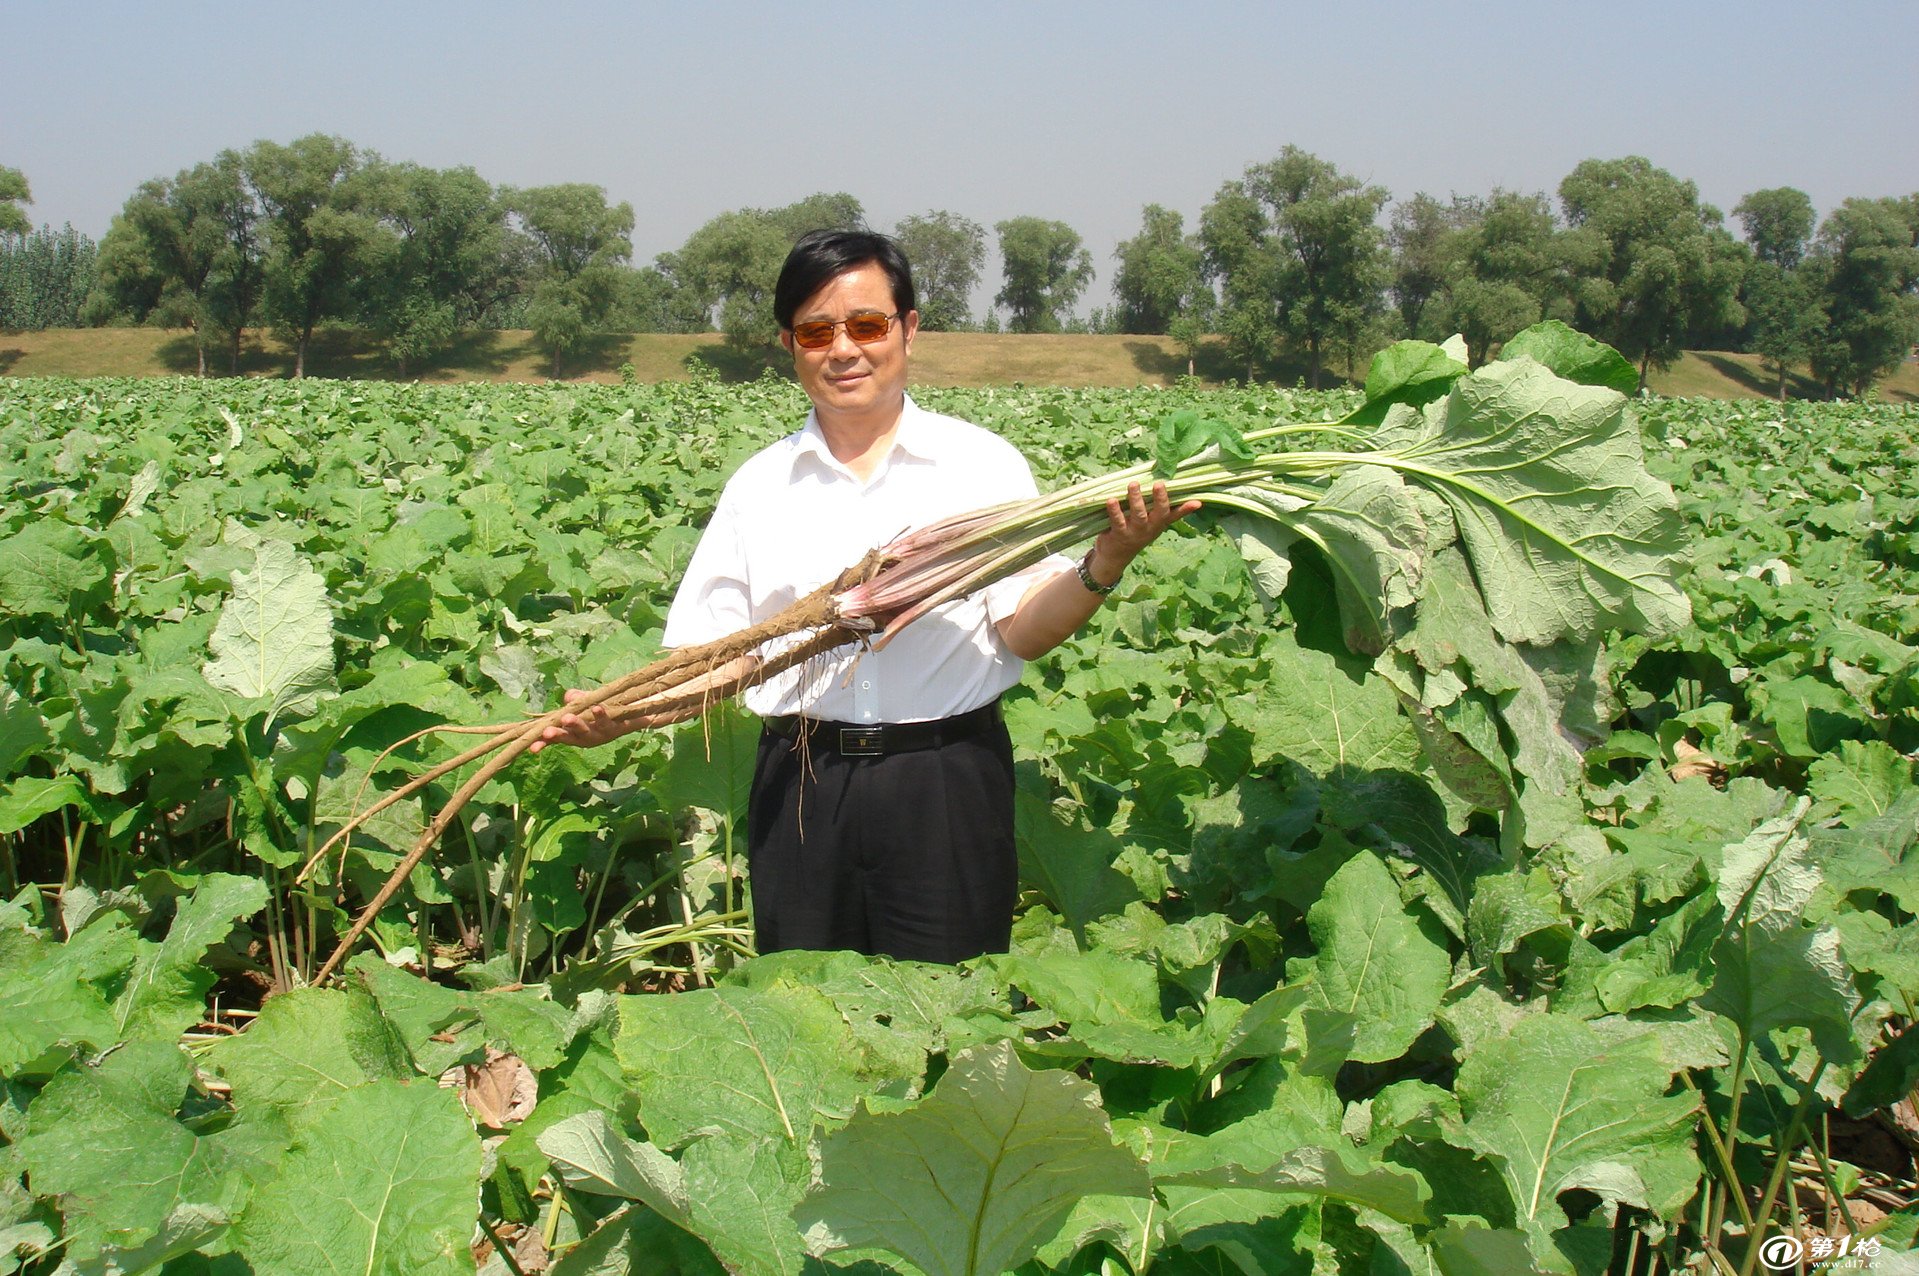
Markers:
(108, 1142)
(1556, 1106)
(1772, 970)
(1567, 532)
(51, 995)
(309, 1044)
(593, 1156)
(1397, 1193)
(168, 986)
(380, 1180)
(1315, 712)
(1573, 355)
(52, 568)
(743, 1192)
(747, 1063)
(1375, 962)
(1410, 372)
(974, 1178)
(274, 640)
(1185, 433)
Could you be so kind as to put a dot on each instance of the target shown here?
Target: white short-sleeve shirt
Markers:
(793, 518)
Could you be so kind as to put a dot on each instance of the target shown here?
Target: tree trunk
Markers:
(1782, 380)
(1645, 362)
(1312, 356)
(200, 349)
(239, 334)
(300, 356)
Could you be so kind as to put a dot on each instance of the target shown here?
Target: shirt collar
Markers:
(911, 439)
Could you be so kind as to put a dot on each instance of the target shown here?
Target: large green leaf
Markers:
(166, 991)
(52, 568)
(108, 1141)
(593, 1156)
(974, 1178)
(1573, 355)
(1567, 532)
(307, 1045)
(381, 1179)
(274, 641)
(51, 994)
(1397, 1193)
(1556, 1106)
(744, 1062)
(1312, 710)
(1771, 969)
(1376, 960)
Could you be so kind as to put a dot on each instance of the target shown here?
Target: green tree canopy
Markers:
(186, 252)
(947, 253)
(440, 260)
(320, 241)
(45, 276)
(728, 267)
(580, 243)
(1237, 251)
(1417, 237)
(1867, 268)
(1044, 269)
(1653, 265)
(1778, 224)
(1504, 268)
(1161, 273)
(1307, 234)
(13, 193)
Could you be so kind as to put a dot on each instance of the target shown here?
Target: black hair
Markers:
(823, 255)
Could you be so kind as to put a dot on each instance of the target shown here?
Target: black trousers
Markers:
(909, 855)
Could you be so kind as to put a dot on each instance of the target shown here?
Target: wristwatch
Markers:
(1085, 569)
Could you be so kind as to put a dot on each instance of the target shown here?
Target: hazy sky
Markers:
(1079, 112)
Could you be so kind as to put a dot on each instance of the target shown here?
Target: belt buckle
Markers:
(861, 742)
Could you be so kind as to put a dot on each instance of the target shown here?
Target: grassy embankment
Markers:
(939, 358)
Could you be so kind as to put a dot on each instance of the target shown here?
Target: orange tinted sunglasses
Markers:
(866, 327)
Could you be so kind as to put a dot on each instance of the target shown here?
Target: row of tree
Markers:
(1294, 257)
(1295, 253)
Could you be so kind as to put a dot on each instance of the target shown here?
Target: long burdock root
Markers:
(649, 690)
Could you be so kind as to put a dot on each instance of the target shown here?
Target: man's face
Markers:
(847, 378)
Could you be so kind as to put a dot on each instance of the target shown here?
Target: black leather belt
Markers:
(876, 739)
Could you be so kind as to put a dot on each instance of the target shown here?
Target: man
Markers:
(881, 812)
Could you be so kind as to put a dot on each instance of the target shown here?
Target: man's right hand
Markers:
(590, 727)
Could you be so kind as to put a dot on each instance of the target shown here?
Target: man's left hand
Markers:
(1133, 524)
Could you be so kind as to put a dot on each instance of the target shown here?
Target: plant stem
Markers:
(500, 1246)
(1724, 1156)
(481, 889)
(1782, 1152)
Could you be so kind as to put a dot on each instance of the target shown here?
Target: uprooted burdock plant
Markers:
(1483, 530)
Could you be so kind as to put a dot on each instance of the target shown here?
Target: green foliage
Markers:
(579, 241)
(13, 193)
(1652, 264)
(45, 276)
(1287, 996)
(1044, 269)
(1298, 255)
(1867, 265)
(1160, 278)
(727, 268)
(947, 253)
